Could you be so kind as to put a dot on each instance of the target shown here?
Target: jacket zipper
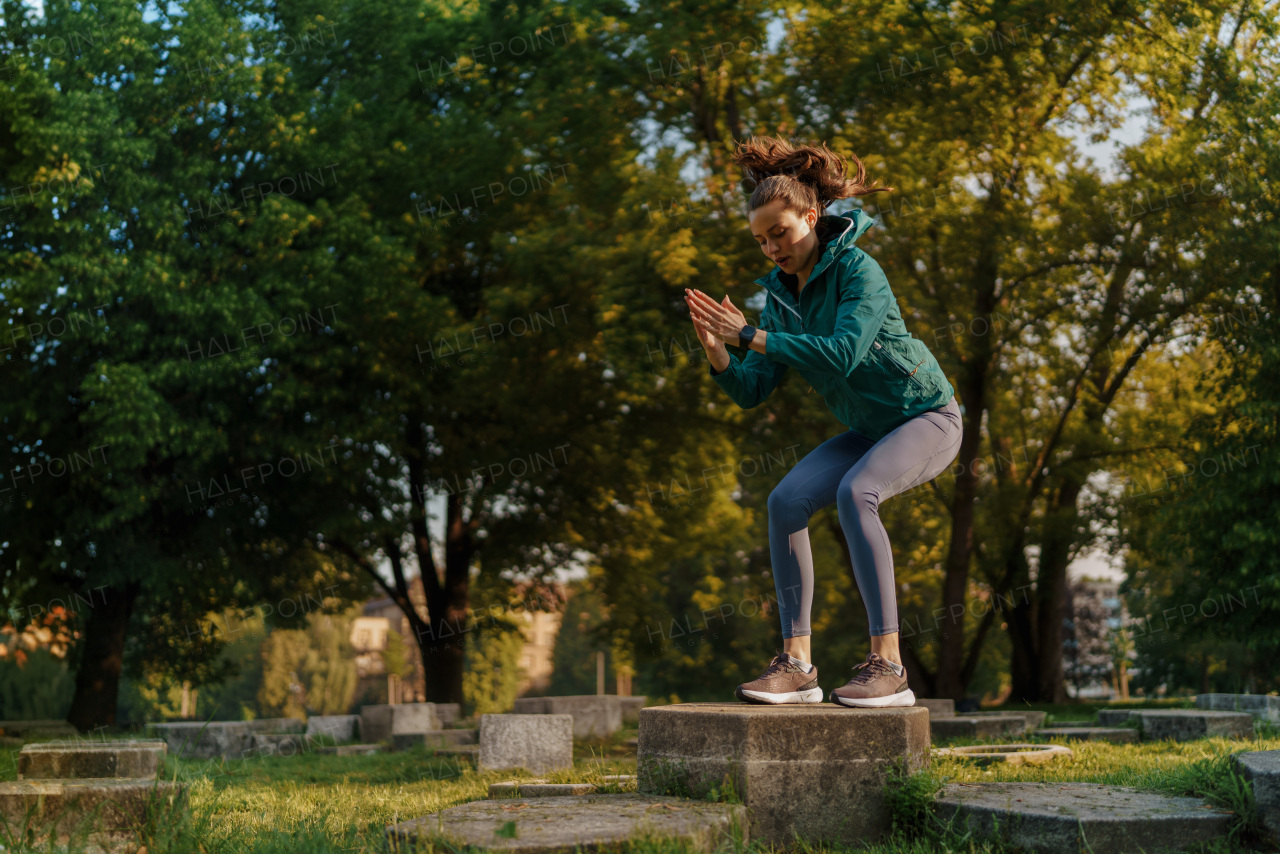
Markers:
(893, 360)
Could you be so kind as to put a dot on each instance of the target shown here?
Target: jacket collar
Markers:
(837, 237)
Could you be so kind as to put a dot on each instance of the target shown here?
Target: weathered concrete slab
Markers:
(436, 738)
(337, 727)
(938, 707)
(538, 742)
(198, 740)
(1034, 719)
(561, 824)
(1261, 768)
(1060, 724)
(65, 807)
(537, 789)
(1113, 734)
(817, 770)
(1115, 717)
(1062, 818)
(278, 725)
(350, 749)
(1007, 754)
(1187, 724)
(594, 715)
(135, 759)
(277, 744)
(449, 714)
(1263, 707)
(631, 707)
(37, 729)
(380, 723)
(985, 726)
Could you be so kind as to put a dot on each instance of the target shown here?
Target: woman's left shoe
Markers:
(876, 686)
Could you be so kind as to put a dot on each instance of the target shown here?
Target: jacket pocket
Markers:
(897, 364)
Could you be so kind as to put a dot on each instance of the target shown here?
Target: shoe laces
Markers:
(868, 670)
(777, 665)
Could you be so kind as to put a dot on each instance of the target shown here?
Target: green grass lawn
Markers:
(320, 803)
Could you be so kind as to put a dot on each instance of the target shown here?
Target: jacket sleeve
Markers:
(749, 381)
(864, 304)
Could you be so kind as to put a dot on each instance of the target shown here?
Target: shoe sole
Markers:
(813, 695)
(902, 698)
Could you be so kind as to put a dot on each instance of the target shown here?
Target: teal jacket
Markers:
(845, 336)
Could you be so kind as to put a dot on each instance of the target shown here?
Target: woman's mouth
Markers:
(782, 262)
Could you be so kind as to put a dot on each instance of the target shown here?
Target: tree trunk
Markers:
(98, 676)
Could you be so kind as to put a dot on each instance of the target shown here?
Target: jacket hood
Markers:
(837, 235)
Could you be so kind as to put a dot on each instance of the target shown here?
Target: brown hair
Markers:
(803, 176)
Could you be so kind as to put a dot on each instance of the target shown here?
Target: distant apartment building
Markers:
(1104, 598)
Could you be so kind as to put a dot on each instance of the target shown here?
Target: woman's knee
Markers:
(785, 506)
(857, 495)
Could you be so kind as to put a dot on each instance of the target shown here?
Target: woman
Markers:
(831, 315)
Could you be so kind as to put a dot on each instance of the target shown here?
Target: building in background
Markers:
(1098, 647)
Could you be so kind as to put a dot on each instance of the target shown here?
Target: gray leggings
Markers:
(856, 473)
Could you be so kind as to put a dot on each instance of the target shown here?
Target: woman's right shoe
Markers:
(783, 681)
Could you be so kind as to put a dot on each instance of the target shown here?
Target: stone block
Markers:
(337, 727)
(275, 726)
(1261, 768)
(1113, 734)
(350, 749)
(1034, 719)
(449, 714)
(815, 770)
(1187, 724)
(200, 740)
(594, 715)
(574, 822)
(277, 744)
(538, 742)
(1066, 818)
(379, 723)
(981, 726)
(631, 707)
(99, 807)
(136, 759)
(1114, 717)
(1263, 707)
(938, 707)
(433, 739)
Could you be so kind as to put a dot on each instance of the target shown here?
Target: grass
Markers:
(328, 804)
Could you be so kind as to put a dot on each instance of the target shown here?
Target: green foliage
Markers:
(311, 670)
(39, 688)
(395, 656)
(493, 672)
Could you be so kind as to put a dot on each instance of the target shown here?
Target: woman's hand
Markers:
(720, 322)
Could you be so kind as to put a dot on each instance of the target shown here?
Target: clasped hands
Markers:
(717, 322)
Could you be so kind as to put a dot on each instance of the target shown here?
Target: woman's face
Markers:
(783, 237)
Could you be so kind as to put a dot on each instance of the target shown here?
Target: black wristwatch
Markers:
(745, 335)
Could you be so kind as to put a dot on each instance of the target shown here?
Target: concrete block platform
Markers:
(1261, 768)
(1263, 707)
(449, 714)
(135, 759)
(982, 726)
(537, 789)
(818, 770)
(537, 742)
(631, 707)
(594, 715)
(1115, 717)
(1066, 818)
(66, 807)
(1188, 724)
(938, 708)
(350, 749)
(278, 725)
(1034, 719)
(560, 824)
(337, 727)
(435, 738)
(381, 722)
(198, 740)
(1113, 734)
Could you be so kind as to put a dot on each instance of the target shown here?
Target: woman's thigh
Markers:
(812, 482)
(911, 454)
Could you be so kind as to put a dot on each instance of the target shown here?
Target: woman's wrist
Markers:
(718, 356)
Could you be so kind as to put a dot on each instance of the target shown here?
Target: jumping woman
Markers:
(831, 316)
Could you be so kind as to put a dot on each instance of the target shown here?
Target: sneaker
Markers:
(783, 681)
(875, 686)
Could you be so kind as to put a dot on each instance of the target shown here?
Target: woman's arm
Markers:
(861, 311)
(747, 382)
